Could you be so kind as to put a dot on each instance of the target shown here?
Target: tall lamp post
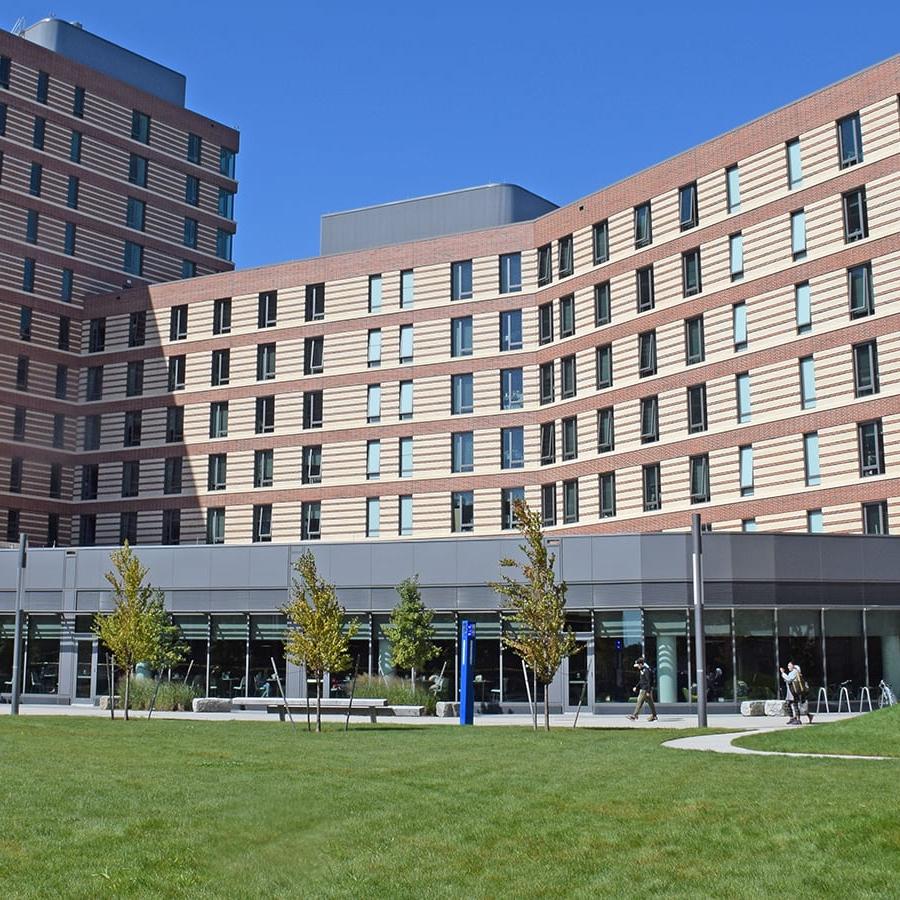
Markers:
(17, 639)
(700, 644)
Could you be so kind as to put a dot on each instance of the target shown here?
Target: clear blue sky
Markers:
(345, 104)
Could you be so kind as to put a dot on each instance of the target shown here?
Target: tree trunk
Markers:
(112, 686)
(127, 685)
(546, 707)
(318, 704)
(412, 679)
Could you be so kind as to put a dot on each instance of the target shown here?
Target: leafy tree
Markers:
(537, 604)
(410, 630)
(317, 638)
(138, 629)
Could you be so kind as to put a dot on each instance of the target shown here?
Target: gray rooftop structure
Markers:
(437, 215)
(69, 39)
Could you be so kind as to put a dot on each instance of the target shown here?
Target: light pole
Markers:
(17, 639)
(700, 645)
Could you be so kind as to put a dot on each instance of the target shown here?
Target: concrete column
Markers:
(890, 656)
(667, 668)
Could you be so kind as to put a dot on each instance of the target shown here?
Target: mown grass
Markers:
(93, 808)
(874, 734)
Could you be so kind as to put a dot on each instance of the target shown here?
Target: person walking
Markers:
(644, 688)
(801, 692)
(797, 693)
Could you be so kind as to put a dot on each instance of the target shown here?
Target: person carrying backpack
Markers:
(797, 693)
(644, 688)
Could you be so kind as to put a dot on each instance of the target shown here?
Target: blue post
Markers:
(467, 673)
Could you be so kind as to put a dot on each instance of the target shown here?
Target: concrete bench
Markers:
(764, 708)
(362, 707)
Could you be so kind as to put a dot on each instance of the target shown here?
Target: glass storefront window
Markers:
(618, 640)
(228, 656)
(883, 633)
(7, 635)
(719, 661)
(192, 670)
(666, 647)
(42, 655)
(441, 672)
(800, 642)
(266, 644)
(754, 638)
(488, 684)
(845, 652)
(340, 682)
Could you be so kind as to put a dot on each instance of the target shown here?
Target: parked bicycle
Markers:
(888, 697)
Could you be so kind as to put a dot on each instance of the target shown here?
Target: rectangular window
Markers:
(407, 289)
(222, 316)
(875, 517)
(865, 369)
(226, 162)
(462, 454)
(647, 354)
(35, 178)
(461, 336)
(604, 367)
(69, 239)
(28, 269)
(803, 307)
(406, 515)
(510, 330)
(62, 340)
(5, 69)
(512, 448)
(406, 344)
(133, 259)
(690, 273)
(138, 170)
(602, 305)
(745, 464)
(373, 516)
(461, 394)
(75, 147)
(267, 309)
(694, 344)
(545, 264)
(567, 377)
(373, 403)
(374, 293)
(811, 472)
(19, 424)
(644, 280)
(798, 234)
(215, 525)
(135, 214)
(90, 475)
(192, 190)
(510, 273)
(406, 457)
(311, 472)
(78, 103)
(606, 430)
(2, 118)
(265, 362)
(311, 521)
(174, 424)
(262, 523)
(25, 318)
(191, 228)
(570, 501)
(462, 511)
(31, 226)
(736, 256)
(643, 226)
(545, 323)
(565, 256)
(699, 478)
(794, 165)
(461, 280)
(39, 133)
(22, 373)
(697, 421)
(548, 505)
(406, 400)
(570, 438)
(607, 495)
(220, 371)
(547, 386)
(178, 322)
(849, 141)
(94, 386)
(72, 192)
(871, 449)
(140, 127)
(739, 325)
(134, 378)
(733, 189)
(748, 525)
(87, 529)
(265, 413)
(859, 286)
(567, 316)
(807, 383)
(601, 242)
(66, 285)
(312, 409)
(55, 480)
(313, 355)
(314, 307)
(43, 87)
(511, 392)
(263, 468)
(548, 443)
(218, 419)
(856, 219)
(649, 419)
(742, 386)
(651, 487)
(216, 472)
(814, 523)
(687, 206)
(194, 148)
(373, 348)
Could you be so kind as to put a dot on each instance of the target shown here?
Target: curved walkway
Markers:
(722, 743)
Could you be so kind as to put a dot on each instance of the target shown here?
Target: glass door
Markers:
(85, 672)
(579, 686)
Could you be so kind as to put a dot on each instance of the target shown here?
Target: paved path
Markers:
(722, 743)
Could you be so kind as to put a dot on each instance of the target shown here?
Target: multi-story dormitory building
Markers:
(107, 182)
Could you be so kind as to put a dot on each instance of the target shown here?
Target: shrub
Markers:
(173, 695)
(397, 691)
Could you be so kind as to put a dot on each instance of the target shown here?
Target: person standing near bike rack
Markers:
(797, 693)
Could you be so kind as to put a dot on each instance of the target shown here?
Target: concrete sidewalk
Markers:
(722, 743)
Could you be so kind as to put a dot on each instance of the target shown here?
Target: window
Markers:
(811, 471)
(512, 448)
(645, 298)
(406, 400)
(697, 421)
(649, 419)
(134, 378)
(175, 424)
(604, 367)
(215, 525)
(856, 219)
(602, 307)
(694, 345)
(859, 285)
(87, 529)
(570, 438)
(875, 517)
(690, 273)
(31, 226)
(28, 267)
(262, 523)
(405, 515)
(643, 226)
(222, 316)
(22, 373)
(567, 316)
(736, 256)
(178, 319)
(814, 523)
(606, 431)
(406, 344)
(733, 189)
(313, 355)
(748, 525)
(462, 456)
(39, 133)
(739, 325)
(135, 214)
(373, 516)
(374, 293)
(509, 497)
(172, 472)
(565, 256)
(94, 386)
(803, 307)
(510, 273)
(226, 162)
(34, 181)
(567, 376)
(5, 68)
(90, 475)
(461, 394)
(312, 409)
(745, 464)
(15, 475)
(807, 383)
(687, 206)
(218, 419)
(314, 308)
(264, 419)
(547, 379)
(794, 166)
(545, 323)
(462, 507)
(55, 480)
(511, 392)
(19, 424)
(194, 148)
(133, 260)
(267, 309)
(607, 495)
(140, 127)
(265, 362)
(545, 264)
(62, 341)
(408, 289)
(373, 403)
(601, 242)
(224, 241)
(311, 521)
(548, 504)
(78, 103)
(461, 336)
(66, 285)
(700, 478)
(43, 87)
(192, 190)
(647, 354)
(263, 468)
(216, 472)
(138, 169)
(865, 369)
(25, 318)
(651, 487)
(871, 449)
(742, 384)
(798, 234)
(311, 472)
(69, 239)
(548, 443)
(191, 227)
(406, 457)
(220, 373)
(2, 118)
(373, 348)
(13, 526)
(849, 141)
(510, 330)
(461, 280)
(72, 193)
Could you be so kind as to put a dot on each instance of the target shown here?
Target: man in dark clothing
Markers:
(645, 690)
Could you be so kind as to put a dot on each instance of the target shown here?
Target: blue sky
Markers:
(344, 104)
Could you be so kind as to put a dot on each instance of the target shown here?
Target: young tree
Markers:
(138, 626)
(317, 639)
(410, 631)
(537, 605)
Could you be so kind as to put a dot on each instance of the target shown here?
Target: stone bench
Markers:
(211, 704)
(765, 708)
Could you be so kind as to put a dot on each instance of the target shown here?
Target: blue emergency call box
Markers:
(467, 673)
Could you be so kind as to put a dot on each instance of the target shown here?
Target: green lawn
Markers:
(90, 807)
(874, 734)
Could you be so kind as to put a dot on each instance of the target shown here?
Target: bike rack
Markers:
(844, 693)
(823, 695)
(865, 693)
